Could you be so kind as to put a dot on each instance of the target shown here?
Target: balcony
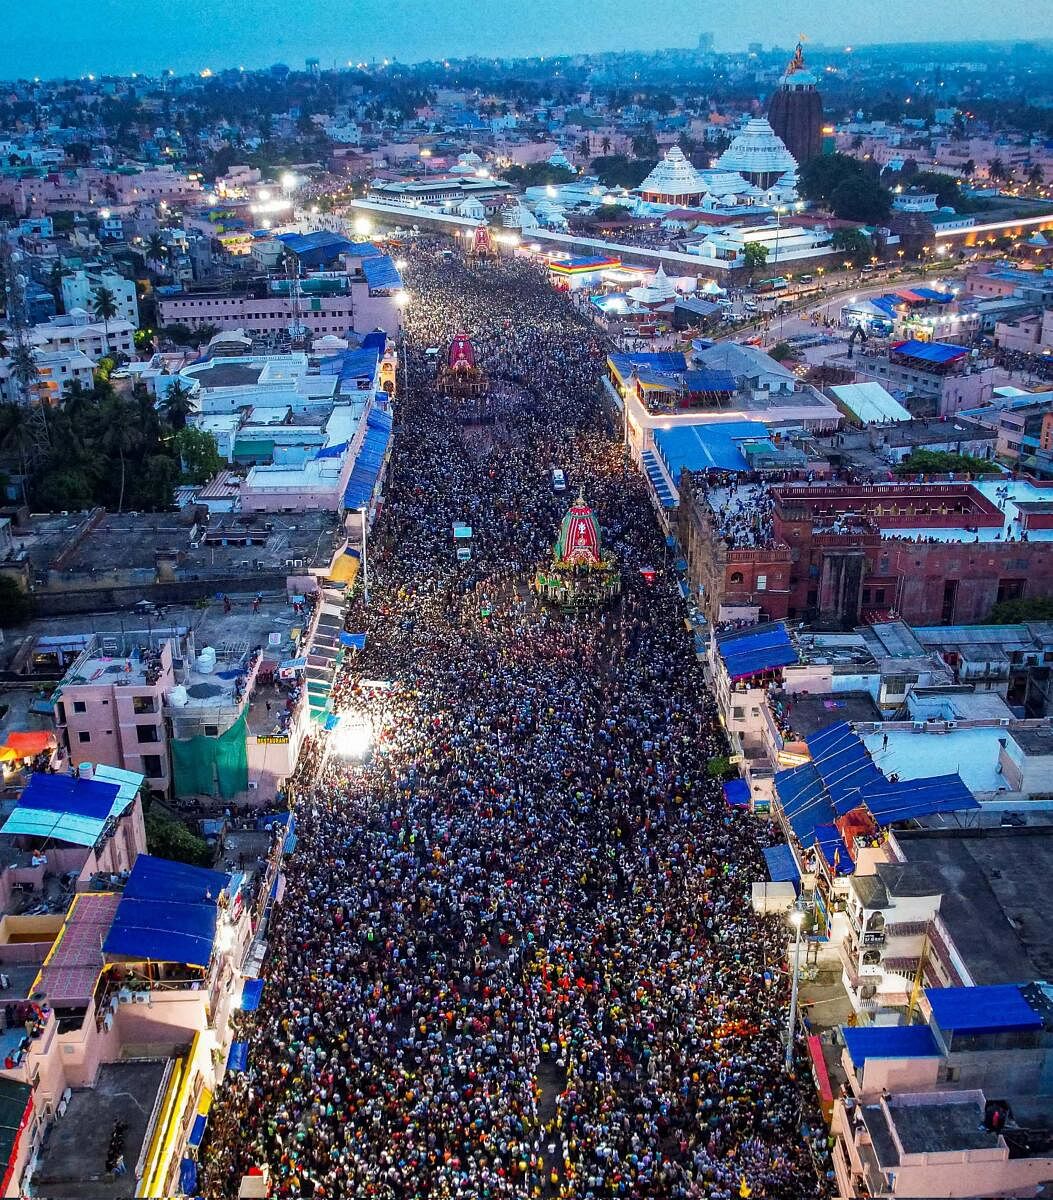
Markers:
(906, 929)
(850, 964)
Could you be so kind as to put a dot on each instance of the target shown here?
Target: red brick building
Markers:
(836, 555)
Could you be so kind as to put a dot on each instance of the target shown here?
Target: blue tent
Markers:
(939, 353)
(238, 1059)
(250, 994)
(167, 913)
(782, 866)
(749, 651)
(354, 641)
(737, 793)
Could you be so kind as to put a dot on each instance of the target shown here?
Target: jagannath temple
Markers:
(582, 574)
(459, 374)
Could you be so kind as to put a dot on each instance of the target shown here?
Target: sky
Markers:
(53, 38)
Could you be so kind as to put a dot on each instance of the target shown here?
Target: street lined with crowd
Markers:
(516, 955)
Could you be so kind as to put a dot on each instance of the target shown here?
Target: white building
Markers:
(77, 331)
(79, 291)
(759, 155)
(55, 371)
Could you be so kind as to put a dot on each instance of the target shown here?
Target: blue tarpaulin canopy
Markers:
(363, 481)
(833, 849)
(782, 867)
(920, 798)
(250, 994)
(238, 1059)
(355, 369)
(712, 445)
(381, 273)
(376, 339)
(1000, 1008)
(889, 1041)
(737, 793)
(354, 641)
(167, 913)
(932, 352)
(709, 380)
(188, 1176)
(66, 808)
(748, 651)
(804, 801)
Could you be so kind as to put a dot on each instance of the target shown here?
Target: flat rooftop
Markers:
(1038, 742)
(135, 542)
(995, 884)
(72, 1160)
(808, 713)
(1003, 492)
(971, 753)
(220, 374)
(929, 1128)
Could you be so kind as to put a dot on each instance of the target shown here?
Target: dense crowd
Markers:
(516, 955)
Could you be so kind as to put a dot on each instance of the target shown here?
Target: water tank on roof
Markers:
(206, 660)
(85, 770)
(177, 697)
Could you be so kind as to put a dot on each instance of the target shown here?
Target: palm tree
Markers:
(583, 147)
(20, 437)
(1036, 176)
(24, 367)
(105, 308)
(122, 435)
(155, 248)
(997, 169)
(605, 145)
(177, 405)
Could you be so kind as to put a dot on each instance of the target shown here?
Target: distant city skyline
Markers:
(67, 38)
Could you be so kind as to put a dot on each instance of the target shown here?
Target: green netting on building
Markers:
(205, 766)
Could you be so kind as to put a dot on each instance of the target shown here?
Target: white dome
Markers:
(757, 150)
(559, 159)
(658, 290)
(472, 207)
(673, 176)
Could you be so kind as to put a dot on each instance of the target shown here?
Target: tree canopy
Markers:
(849, 188)
(617, 170)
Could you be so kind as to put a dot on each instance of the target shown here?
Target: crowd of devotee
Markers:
(516, 955)
(742, 511)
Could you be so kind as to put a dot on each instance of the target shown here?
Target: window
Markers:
(83, 737)
(738, 713)
(146, 733)
(143, 704)
(211, 731)
(762, 583)
(736, 577)
(80, 706)
(152, 768)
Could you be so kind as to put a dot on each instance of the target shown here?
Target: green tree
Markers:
(168, 838)
(853, 242)
(156, 250)
(199, 454)
(617, 170)
(945, 462)
(16, 605)
(861, 199)
(1015, 612)
(1036, 176)
(948, 190)
(782, 351)
(177, 405)
(755, 255)
(104, 305)
(997, 169)
(122, 436)
(851, 189)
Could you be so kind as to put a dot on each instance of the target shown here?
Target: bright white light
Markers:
(401, 264)
(314, 208)
(288, 180)
(401, 299)
(352, 738)
(265, 224)
(105, 214)
(364, 226)
(224, 938)
(265, 195)
(796, 918)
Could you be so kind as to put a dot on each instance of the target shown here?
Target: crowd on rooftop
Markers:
(516, 955)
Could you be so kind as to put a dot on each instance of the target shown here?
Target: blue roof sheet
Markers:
(920, 798)
(831, 846)
(934, 352)
(1000, 1008)
(381, 272)
(748, 651)
(363, 481)
(782, 867)
(364, 249)
(320, 239)
(666, 362)
(167, 913)
(67, 808)
(250, 994)
(715, 445)
(350, 366)
(737, 793)
(376, 340)
(889, 1041)
(931, 294)
(709, 381)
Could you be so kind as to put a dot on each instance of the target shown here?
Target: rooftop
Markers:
(971, 753)
(72, 1161)
(994, 884)
(926, 1126)
(807, 713)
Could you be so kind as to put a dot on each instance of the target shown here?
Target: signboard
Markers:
(461, 531)
(275, 639)
(873, 939)
(463, 553)
(277, 740)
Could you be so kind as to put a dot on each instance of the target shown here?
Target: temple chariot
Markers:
(581, 575)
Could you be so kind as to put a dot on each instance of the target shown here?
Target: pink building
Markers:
(109, 708)
(274, 314)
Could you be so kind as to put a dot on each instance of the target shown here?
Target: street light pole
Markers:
(796, 920)
(363, 512)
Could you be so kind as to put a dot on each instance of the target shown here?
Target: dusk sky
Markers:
(73, 37)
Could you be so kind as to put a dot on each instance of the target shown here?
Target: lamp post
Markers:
(796, 920)
(363, 512)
